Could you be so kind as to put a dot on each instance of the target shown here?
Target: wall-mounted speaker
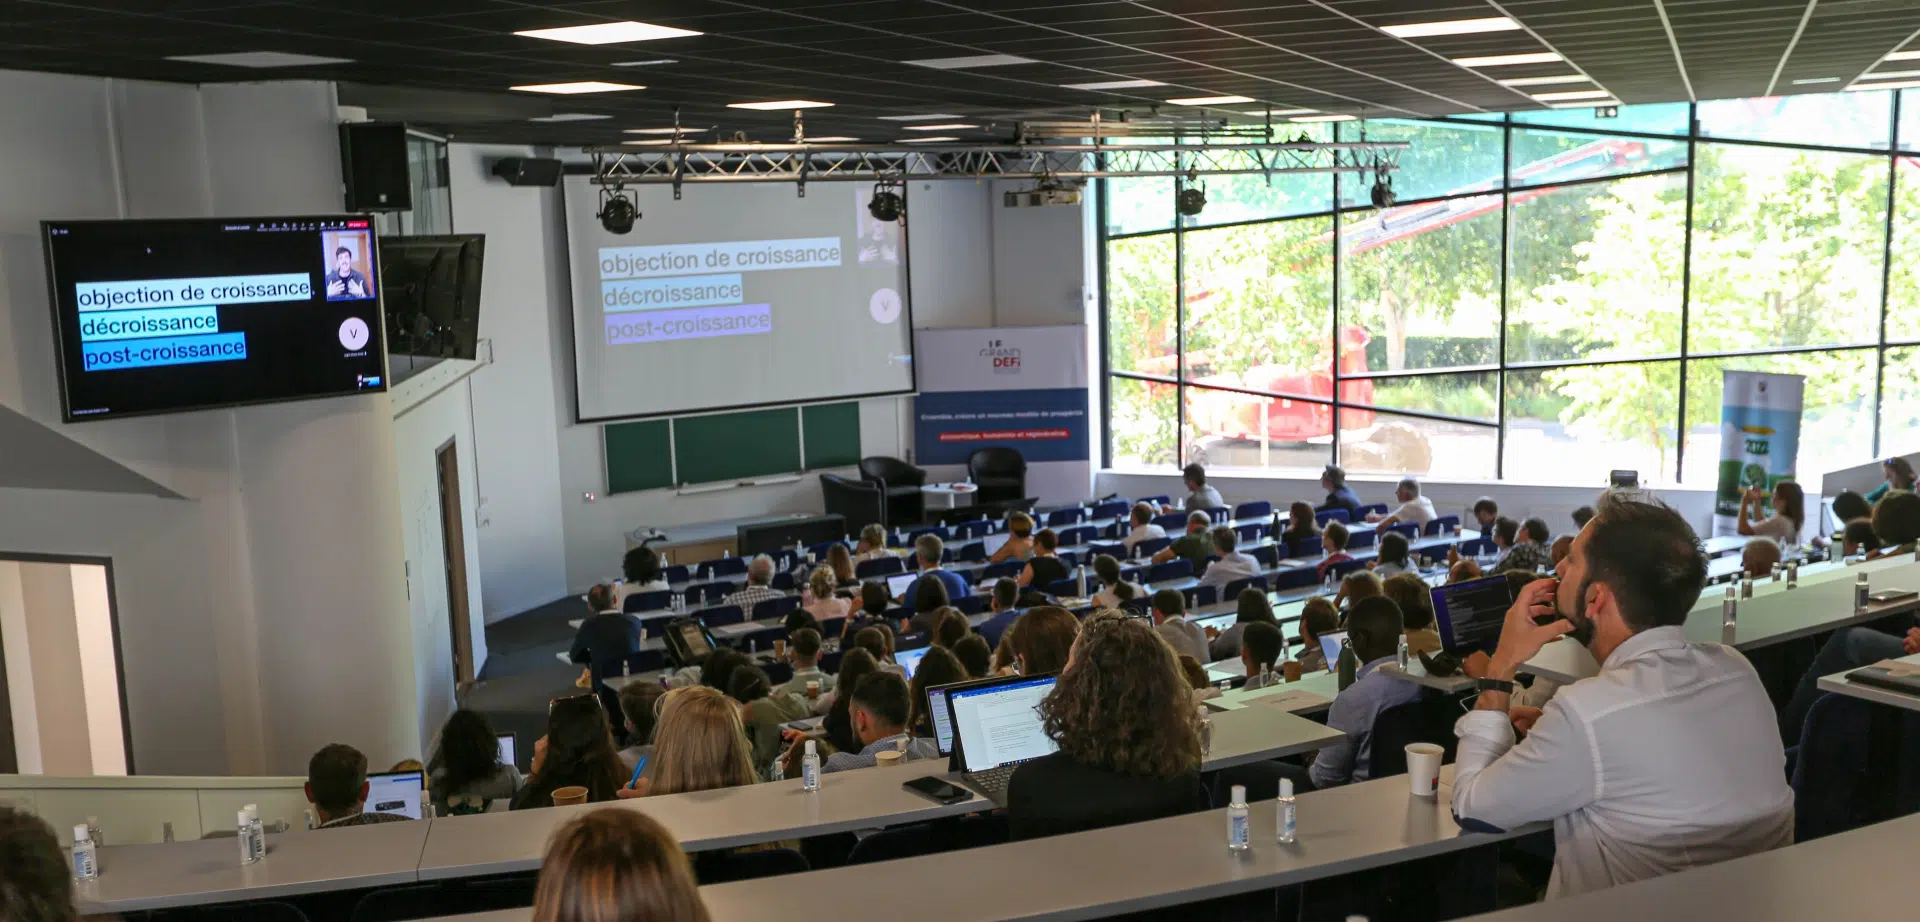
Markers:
(373, 160)
(528, 171)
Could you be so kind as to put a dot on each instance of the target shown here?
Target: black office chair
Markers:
(233, 912)
(999, 472)
(728, 866)
(854, 500)
(901, 482)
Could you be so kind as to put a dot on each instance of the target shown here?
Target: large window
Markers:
(1555, 295)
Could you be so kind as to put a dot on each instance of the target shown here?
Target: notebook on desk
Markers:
(996, 728)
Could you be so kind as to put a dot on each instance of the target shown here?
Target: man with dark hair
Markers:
(1170, 622)
(1582, 516)
(879, 710)
(1260, 645)
(337, 788)
(1526, 546)
(604, 641)
(1682, 733)
(1005, 608)
(38, 883)
(1199, 495)
(803, 650)
(1485, 511)
(1536, 529)
(1339, 496)
(1194, 545)
(1373, 634)
(1232, 564)
(345, 283)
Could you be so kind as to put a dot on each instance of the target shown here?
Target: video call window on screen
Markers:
(349, 265)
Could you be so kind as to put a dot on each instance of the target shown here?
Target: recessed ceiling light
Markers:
(1324, 118)
(1282, 113)
(1807, 81)
(1503, 60)
(577, 87)
(1452, 27)
(1572, 94)
(569, 117)
(779, 105)
(259, 59)
(941, 126)
(1886, 75)
(647, 63)
(926, 140)
(1903, 56)
(1210, 100)
(1589, 104)
(975, 60)
(834, 139)
(916, 118)
(1112, 85)
(1896, 85)
(664, 130)
(607, 33)
(1546, 81)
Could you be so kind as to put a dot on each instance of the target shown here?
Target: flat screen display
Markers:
(1471, 614)
(168, 316)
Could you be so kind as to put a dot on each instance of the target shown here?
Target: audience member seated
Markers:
(1581, 517)
(880, 710)
(1373, 633)
(803, 652)
(1561, 547)
(38, 883)
(1689, 779)
(1858, 538)
(700, 745)
(877, 640)
(717, 671)
(607, 637)
(1339, 495)
(1414, 598)
(1019, 544)
(927, 550)
(577, 751)
(938, 667)
(1485, 513)
(1046, 567)
(855, 665)
(1196, 676)
(1199, 495)
(1129, 748)
(929, 599)
(1114, 591)
(872, 544)
(640, 708)
(840, 561)
(1334, 542)
(1004, 606)
(1169, 621)
(975, 655)
(1525, 546)
(641, 567)
(337, 788)
(949, 628)
(1848, 505)
(1395, 556)
(1232, 564)
(1039, 641)
(1141, 527)
(1759, 556)
(762, 712)
(616, 864)
(1194, 546)
(1301, 526)
(758, 588)
(1414, 509)
(1251, 606)
(467, 775)
(1360, 584)
(874, 604)
(1317, 617)
(1899, 476)
(1789, 513)
(1896, 522)
(823, 596)
(1260, 647)
(1463, 570)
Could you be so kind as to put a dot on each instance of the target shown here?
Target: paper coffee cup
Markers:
(1423, 768)
(813, 688)
(888, 758)
(780, 649)
(1290, 670)
(568, 796)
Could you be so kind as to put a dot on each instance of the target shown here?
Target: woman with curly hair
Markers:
(1123, 717)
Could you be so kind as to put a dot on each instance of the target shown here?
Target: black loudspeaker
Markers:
(373, 160)
(528, 171)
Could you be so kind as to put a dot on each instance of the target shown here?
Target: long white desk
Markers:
(1839, 684)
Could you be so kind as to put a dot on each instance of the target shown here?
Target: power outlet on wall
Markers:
(588, 497)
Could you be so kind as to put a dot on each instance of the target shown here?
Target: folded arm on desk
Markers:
(1502, 785)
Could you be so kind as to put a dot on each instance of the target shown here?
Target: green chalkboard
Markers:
(736, 446)
(832, 434)
(639, 456)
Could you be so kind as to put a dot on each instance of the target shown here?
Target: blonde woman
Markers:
(873, 544)
(1019, 544)
(700, 744)
(616, 864)
(824, 601)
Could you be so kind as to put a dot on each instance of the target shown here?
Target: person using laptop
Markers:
(1170, 622)
(1670, 758)
(1004, 606)
(927, 550)
(1123, 719)
(1019, 543)
(880, 709)
(1195, 546)
(1373, 634)
(1317, 618)
(1232, 564)
(337, 788)
(468, 774)
(1141, 527)
(938, 667)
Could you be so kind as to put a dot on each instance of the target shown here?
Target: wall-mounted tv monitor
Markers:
(169, 316)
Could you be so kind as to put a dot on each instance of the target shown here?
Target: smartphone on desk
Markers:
(938, 791)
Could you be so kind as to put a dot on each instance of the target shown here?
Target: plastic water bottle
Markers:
(243, 830)
(1793, 575)
(1746, 588)
(1729, 610)
(1860, 593)
(1266, 674)
(86, 860)
(256, 830)
(626, 669)
(810, 769)
(166, 831)
(1778, 569)
(1206, 731)
(779, 772)
(1080, 582)
(93, 832)
(1403, 653)
(1237, 837)
(1284, 813)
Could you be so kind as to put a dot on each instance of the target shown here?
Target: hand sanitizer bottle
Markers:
(1860, 593)
(810, 769)
(1237, 838)
(1284, 810)
(257, 830)
(244, 832)
(86, 860)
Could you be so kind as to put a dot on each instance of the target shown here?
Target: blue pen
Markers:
(637, 769)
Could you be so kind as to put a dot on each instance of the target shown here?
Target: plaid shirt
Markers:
(1523, 555)
(753, 595)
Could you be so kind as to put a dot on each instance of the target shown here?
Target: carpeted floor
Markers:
(522, 675)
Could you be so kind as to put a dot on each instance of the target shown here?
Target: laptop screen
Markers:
(1470, 614)
(1330, 644)
(397, 793)
(993, 543)
(1000, 724)
(506, 747)
(942, 719)
(898, 583)
(910, 659)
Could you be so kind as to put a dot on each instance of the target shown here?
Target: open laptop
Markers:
(910, 659)
(397, 793)
(996, 727)
(897, 584)
(994, 542)
(1470, 614)
(942, 717)
(506, 747)
(1330, 645)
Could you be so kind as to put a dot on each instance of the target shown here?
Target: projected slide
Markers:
(736, 296)
(157, 316)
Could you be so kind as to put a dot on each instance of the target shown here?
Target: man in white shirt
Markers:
(1232, 564)
(1143, 527)
(1668, 759)
(1414, 509)
(1170, 622)
(759, 576)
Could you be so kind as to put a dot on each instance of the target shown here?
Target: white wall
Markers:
(57, 628)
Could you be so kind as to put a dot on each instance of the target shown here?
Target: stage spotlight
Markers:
(1382, 191)
(617, 212)
(1191, 200)
(887, 205)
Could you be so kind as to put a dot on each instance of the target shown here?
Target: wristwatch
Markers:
(1493, 685)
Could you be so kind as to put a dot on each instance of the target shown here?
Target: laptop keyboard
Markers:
(993, 780)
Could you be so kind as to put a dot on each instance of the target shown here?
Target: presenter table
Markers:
(950, 493)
